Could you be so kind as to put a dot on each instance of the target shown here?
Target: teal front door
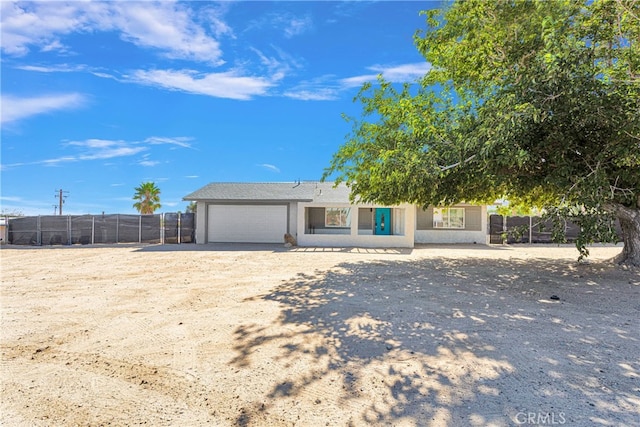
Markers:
(383, 221)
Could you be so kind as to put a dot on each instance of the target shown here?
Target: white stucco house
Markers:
(319, 214)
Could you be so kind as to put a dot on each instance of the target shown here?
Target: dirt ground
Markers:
(242, 335)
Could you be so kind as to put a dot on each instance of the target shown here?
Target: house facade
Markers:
(320, 214)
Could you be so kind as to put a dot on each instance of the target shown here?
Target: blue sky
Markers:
(98, 97)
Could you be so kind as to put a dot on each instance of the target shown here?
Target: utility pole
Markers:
(61, 199)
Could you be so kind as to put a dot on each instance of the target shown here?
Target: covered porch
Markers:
(341, 224)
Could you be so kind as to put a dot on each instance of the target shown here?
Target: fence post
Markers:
(117, 227)
(140, 228)
(39, 232)
(530, 229)
(179, 228)
(504, 229)
(69, 230)
(93, 229)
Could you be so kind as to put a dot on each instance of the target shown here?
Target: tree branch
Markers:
(444, 168)
(632, 136)
(622, 191)
(623, 211)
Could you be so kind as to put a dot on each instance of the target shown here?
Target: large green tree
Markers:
(538, 102)
(147, 197)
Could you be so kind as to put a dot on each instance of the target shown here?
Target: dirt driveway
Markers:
(267, 336)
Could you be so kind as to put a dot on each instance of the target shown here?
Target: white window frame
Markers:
(442, 218)
(344, 218)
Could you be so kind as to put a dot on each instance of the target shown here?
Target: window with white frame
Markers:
(337, 217)
(448, 218)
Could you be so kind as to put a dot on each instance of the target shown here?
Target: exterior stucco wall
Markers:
(458, 236)
(410, 234)
(355, 238)
(293, 221)
(201, 222)
(477, 233)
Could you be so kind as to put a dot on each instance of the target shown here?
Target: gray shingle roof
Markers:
(271, 191)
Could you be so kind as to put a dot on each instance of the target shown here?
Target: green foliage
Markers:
(148, 198)
(515, 210)
(595, 226)
(536, 102)
(516, 233)
(11, 212)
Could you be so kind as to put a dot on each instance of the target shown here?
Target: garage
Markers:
(247, 223)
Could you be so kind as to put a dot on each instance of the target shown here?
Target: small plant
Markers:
(516, 233)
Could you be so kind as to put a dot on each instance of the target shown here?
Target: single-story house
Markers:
(321, 214)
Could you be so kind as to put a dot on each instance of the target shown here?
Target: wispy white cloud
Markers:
(25, 25)
(270, 167)
(59, 68)
(327, 88)
(145, 161)
(279, 65)
(148, 163)
(322, 88)
(168, 26)
(395, 74)
(67, 68)
(192, 176)
(104, 75)
(92, 149)
(349, 8)
(179, 141)
(289, 24)
(104, 149)
(319, 94)
(99, 149)
(11, 199)
(16, 108)
(219, 85)
(213, 17)
(296, 26)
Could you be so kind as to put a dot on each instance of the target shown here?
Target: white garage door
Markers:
(247, 223)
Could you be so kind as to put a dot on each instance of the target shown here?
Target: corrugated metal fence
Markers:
(101, 229)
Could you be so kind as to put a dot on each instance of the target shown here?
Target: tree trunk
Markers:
(630, 223)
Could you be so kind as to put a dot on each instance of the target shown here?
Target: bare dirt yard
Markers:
(266, 336)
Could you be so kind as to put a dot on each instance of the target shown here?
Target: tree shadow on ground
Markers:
(454, 342)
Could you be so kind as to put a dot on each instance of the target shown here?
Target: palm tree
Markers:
(192, 207)
(148, 198)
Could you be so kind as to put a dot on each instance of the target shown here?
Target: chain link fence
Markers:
(100, 229)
